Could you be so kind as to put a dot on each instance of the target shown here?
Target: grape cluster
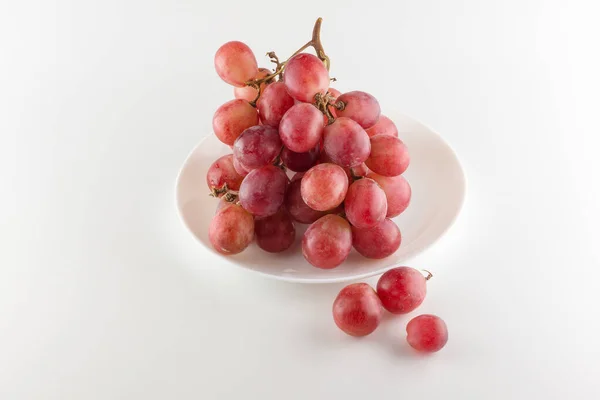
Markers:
(347, 159)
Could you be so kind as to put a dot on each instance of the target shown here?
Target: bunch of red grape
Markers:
(346, 156)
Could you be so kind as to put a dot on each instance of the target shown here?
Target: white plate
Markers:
(438, 190)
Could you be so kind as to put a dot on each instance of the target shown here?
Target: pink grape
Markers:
(222, 172)
(273, 103)
(299, 162)
(231, 230)
(377, 242)
(240, 168)
(365, 203)
(275, 233)
(427, 333)
(346, 143)
(297, 208)
(402, 289)
(249, 93)
(360, 107)
(305, 76)
(262, 191)
(324, 186)
(389, 156)
(301, 127)
(257, 146)
(327, 242)
(397, 191)
(235, 63)
(384, 126)
(232, 118)
(222, 204)
(357, 309)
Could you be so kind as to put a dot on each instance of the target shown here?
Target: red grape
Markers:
(222, 172)
(324, 186)
(402, 289)
(301, 127)
(235, 63)
(357, 309)
(275, 233)
(297, 208)
(297, 176)
(346, 143)
(222, 204)
(397, 191)
(257, 146)
(305, 76)
(384, 126)
(231, 230)
(377, 242)
(360, 107)
(299, 162)
(273, 103)
(240, 168)
(365, 203)
(359, 170)
(389, 156)
(249, 93)
(262, 191)
(327, 242)
(232, 118)
(427, 333)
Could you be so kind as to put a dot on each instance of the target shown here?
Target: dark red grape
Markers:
(275, 233)
(257, 146)
(299, 162)
(297, 208)
(262, 191)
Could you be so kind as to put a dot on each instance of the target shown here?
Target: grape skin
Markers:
(384, 126)
(232, 118)
(360, 107)
(257, 146)
(240, 168)
(297, 208)
(324, 186)
(327, 242)
(357, 310)
(401, 289)
(300, 162)
(273, 103)
(365, 203)
(301, 127)
(389, 156)
(346, 143)
(235, 63)
(231, 230)
(249, 93)
(222, 172)
(377, 242)
(305, 76)
(275, 233)
(262, 191)
(397, 191)
(427, 333)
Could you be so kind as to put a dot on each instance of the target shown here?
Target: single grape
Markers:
(346, 143)
(365, 203)
(231, 230)
(222, 172)
(257, 146)
(377, 242)
(360, 107)
(232, 118)
(324, 186)
(299, 162)
(427, 333)
(389, 156)
(249, 93)
(297, 208)
(301, 127)
(305, 76)
(384, 126)
(357, 309)
(273, 103)
(397, 191)
(327, 242)
(240, 168)
(262, 191)
(235, 63)
(402, 289)
(275, 233)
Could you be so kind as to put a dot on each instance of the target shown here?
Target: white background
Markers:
(104, 295)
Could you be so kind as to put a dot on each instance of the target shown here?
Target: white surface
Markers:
(103, 296)
(438, 192)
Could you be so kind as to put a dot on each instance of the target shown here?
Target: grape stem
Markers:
(429, 275)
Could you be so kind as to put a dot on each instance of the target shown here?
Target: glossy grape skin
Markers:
(262, 191)
(305, 76)
(397, 191)
(231, 230)
(222, 172)
(357, 310)
(360, 107)
(249, 93)
(257, 146)
(300, 162)
(297, 208)
(365, 204)
(240, 168)
(273, 104)
(384, 126)
(235, 63)
(427, 333)
(275, 233)
(377, 242)
(232, 118)
(346, 143)
(401, 289)
(301, 127)
(327, 242)
(324, 186)
(389, 156)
